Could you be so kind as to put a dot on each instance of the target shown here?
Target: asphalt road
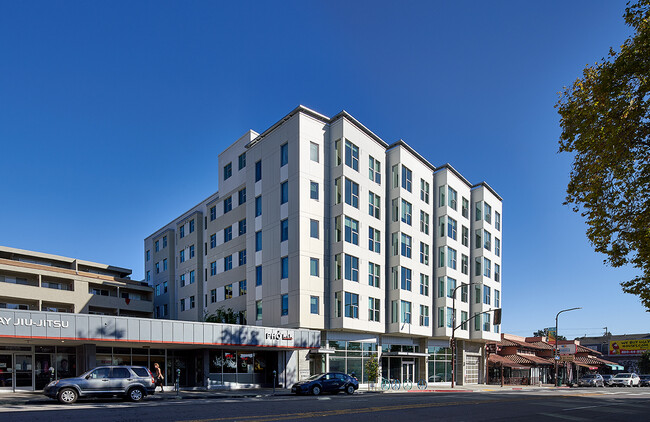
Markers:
(544, 405)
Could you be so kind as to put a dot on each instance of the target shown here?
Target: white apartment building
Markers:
(320, 224)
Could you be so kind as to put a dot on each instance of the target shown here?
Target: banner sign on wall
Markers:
(629, 347)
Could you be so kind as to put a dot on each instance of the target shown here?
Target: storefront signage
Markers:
(567, 358)
(566, 349)
(278, 335)
(629, 347)
(28, 322)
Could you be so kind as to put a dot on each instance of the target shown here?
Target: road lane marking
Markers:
(560, 416)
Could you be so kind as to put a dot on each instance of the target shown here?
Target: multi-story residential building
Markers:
(43, 282)
(320, 224)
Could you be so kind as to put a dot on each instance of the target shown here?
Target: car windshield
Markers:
(645, 377)
(622, 375)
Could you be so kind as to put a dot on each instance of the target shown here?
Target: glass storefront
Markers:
(350, 357)
(243, 367)
(439, 364)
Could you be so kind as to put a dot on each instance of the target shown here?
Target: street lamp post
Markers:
(555, 356)
(453, 331)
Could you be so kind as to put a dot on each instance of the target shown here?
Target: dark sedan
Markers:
(645, 380)
(331, 382)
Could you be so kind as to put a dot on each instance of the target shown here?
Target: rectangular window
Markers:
(497, 298)
(478, 211)
(157, 289)
(313, 229)
(477, 266)
(242, 257)
(157, 267)
(374, 170)
(351, 193)
(284, 192)
(337, 228)
(351, 268)
(406, 245)
(351, 230)
(164, 241)
(213, 213)
(465, 208)
(424, 222)
(486, 267)
(451, 286)
(164, 287)
(242, 196)
(192, 251)
(314, 267)
(441, 257)
(406, 312)
(407, 177)
(157, 245)
(285, 304)
(148, 275)
(464, 293)
(395, 175)
(258, 171)
(227, 171)
(394, 311)
(465, 236)
(394, 278)
(452, 197)
(192, 277)
(165, 264)
(477, 294)
(148, 254)
(424, 253)
(406, 279)
(337, 150)
(497, 246)
(181, 280)
(487, 212)
(258, 275)
(182, 304)
(242, 161)
(181, 231)
(464, 264)
(351, 305)
(395, 243)
(313, 304)
(227, 234)
(374, 206)
(478, 244)
(424, 284)
(258, 310)
(441, 225)
(451, 228)
(337, 191)
(441, 196)
(213, 241)
(441, 317)
(313, 190)
(451, 258)
(351, 155)
(373, 274)
(242, 288)
(258, 206)
(242, 227)
(338, 265)
(313, 152)
(284, 154)
(441, 286)
(395, 209)
(424, 191)
(463, 320)
(424, 316)
(374, 305)
(213, 295)
(497, 221)
(374, 237)
(338, 305)
(213, 268)
(497, 272)
(284, 230)
(487, 240)
(258, 241)
(227, 291)
(486, 322)
(407, 211)
(227, 204)
(284, 267)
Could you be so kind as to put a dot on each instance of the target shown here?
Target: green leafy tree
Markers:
(372, 369)
(544, 333)
(224, 316)
(644, 362)
(605, 123)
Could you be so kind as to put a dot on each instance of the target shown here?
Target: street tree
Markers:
(605, 122)
(644, 362)
(544, 333)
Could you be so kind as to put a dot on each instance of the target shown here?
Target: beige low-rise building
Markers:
(44, 282)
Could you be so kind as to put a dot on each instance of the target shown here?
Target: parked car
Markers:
(626, 379)
(435, 378)
(591, 380)
(645, 380)
(331, 382)
(607, 379)
(130, 382)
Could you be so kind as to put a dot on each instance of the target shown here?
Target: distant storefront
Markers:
(36, 347)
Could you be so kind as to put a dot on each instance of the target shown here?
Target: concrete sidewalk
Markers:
(8, 398)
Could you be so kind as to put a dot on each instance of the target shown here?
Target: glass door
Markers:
(23, 370)
(6, 371)
(408, 371)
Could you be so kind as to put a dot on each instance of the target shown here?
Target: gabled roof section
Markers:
(299, 109)
(360, 126)
(417, 155)
(453, 170)
(488, 187)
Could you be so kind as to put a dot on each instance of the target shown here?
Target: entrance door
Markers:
(23, 370)
(6, 371)
(471, 369)
(408, 371)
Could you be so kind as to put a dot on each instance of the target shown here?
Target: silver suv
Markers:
(130, 382)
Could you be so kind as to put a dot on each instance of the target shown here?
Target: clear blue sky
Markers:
(109, 109)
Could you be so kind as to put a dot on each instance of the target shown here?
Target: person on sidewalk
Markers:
(159, 377)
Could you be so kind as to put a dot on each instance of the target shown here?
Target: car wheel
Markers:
(68, 396)
(315, 390)
(136, 394)
(349, 389)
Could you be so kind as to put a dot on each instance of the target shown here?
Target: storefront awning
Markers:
(590, 367)
(497, 360)
(322, 351)
(406, 354)
(615, 367)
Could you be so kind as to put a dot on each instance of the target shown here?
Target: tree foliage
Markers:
(644, 362)
(224, 316)
(605, 123)
(544, 333)
(372, 369)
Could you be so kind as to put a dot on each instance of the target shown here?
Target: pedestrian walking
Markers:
(159, 377)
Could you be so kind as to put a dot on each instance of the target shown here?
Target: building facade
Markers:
(43, 282)
(320, 224)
